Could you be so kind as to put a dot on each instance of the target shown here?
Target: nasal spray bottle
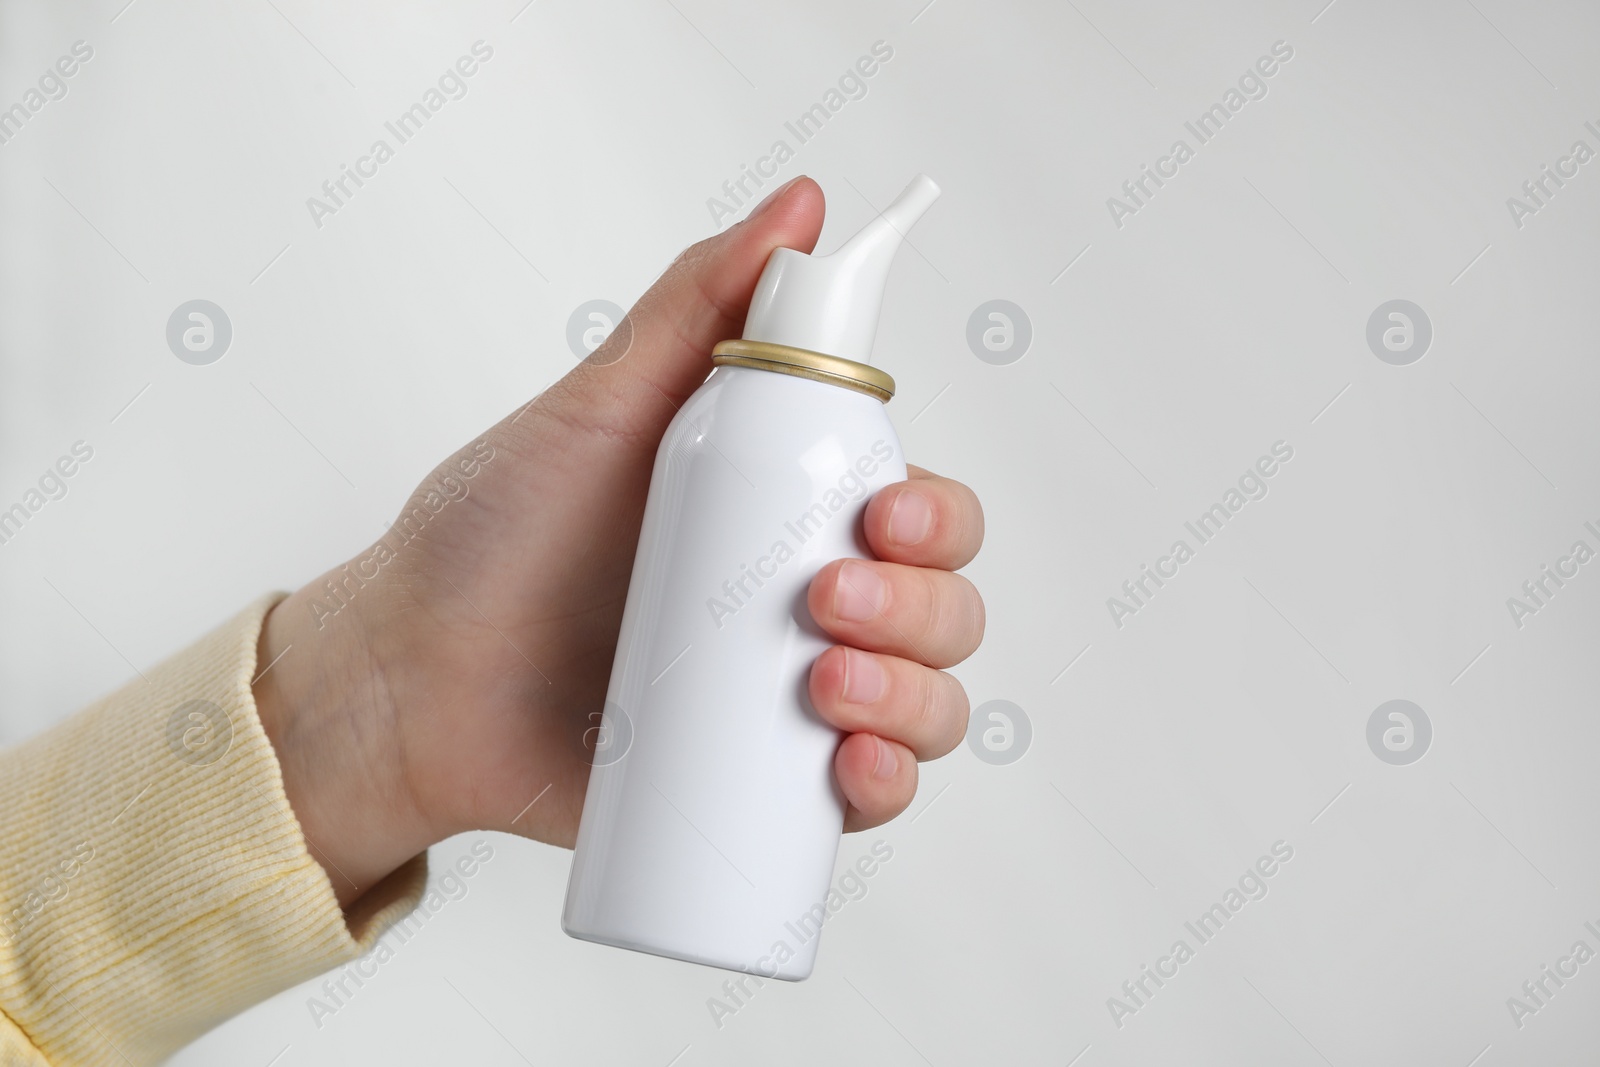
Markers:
(712, 819)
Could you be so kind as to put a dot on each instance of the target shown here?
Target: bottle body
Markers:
(712, 818)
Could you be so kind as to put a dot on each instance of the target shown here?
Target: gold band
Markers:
(803, 363)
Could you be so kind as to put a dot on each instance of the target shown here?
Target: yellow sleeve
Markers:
(153, 879)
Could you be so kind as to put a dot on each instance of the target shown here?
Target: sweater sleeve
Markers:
(153, 879)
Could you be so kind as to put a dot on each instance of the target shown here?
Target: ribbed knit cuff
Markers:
(153, 879)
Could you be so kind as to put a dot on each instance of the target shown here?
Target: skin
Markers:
(455, 687)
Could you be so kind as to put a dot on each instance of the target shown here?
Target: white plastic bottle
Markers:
(712, 818)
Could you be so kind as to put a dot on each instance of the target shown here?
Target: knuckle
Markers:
(694, 254)
(925, 716)
(979, 616)
(935, 615)
(973, 509)
(951, 617)
(966, 527)
(943, 713)
(959, 715)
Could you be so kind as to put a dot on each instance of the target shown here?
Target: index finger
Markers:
(925, 521)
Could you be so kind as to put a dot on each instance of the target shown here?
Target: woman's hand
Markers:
(444, 679)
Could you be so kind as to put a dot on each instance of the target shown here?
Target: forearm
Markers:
(153, 876)
(321, 700)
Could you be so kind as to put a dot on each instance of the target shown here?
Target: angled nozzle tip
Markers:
(830, 304)
(880, 238)
(911, 203)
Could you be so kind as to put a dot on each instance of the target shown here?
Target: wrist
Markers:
(322, 700)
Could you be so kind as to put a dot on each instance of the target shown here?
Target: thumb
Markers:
(631, 385)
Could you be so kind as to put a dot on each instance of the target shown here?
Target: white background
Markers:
(1224, 316)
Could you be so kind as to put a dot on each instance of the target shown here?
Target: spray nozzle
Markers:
(830, 304)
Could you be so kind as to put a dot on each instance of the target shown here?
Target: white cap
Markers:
(830, 304)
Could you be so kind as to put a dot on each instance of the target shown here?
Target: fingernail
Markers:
(887, 763)
(767, 200)
(864, 678)
(910, 518)
(859, 593)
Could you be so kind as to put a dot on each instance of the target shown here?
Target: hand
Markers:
(444, 678)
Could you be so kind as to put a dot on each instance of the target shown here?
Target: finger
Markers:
(931, 616)
(661, 352)
(877, 777)
(923, 709)
(927, 521)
